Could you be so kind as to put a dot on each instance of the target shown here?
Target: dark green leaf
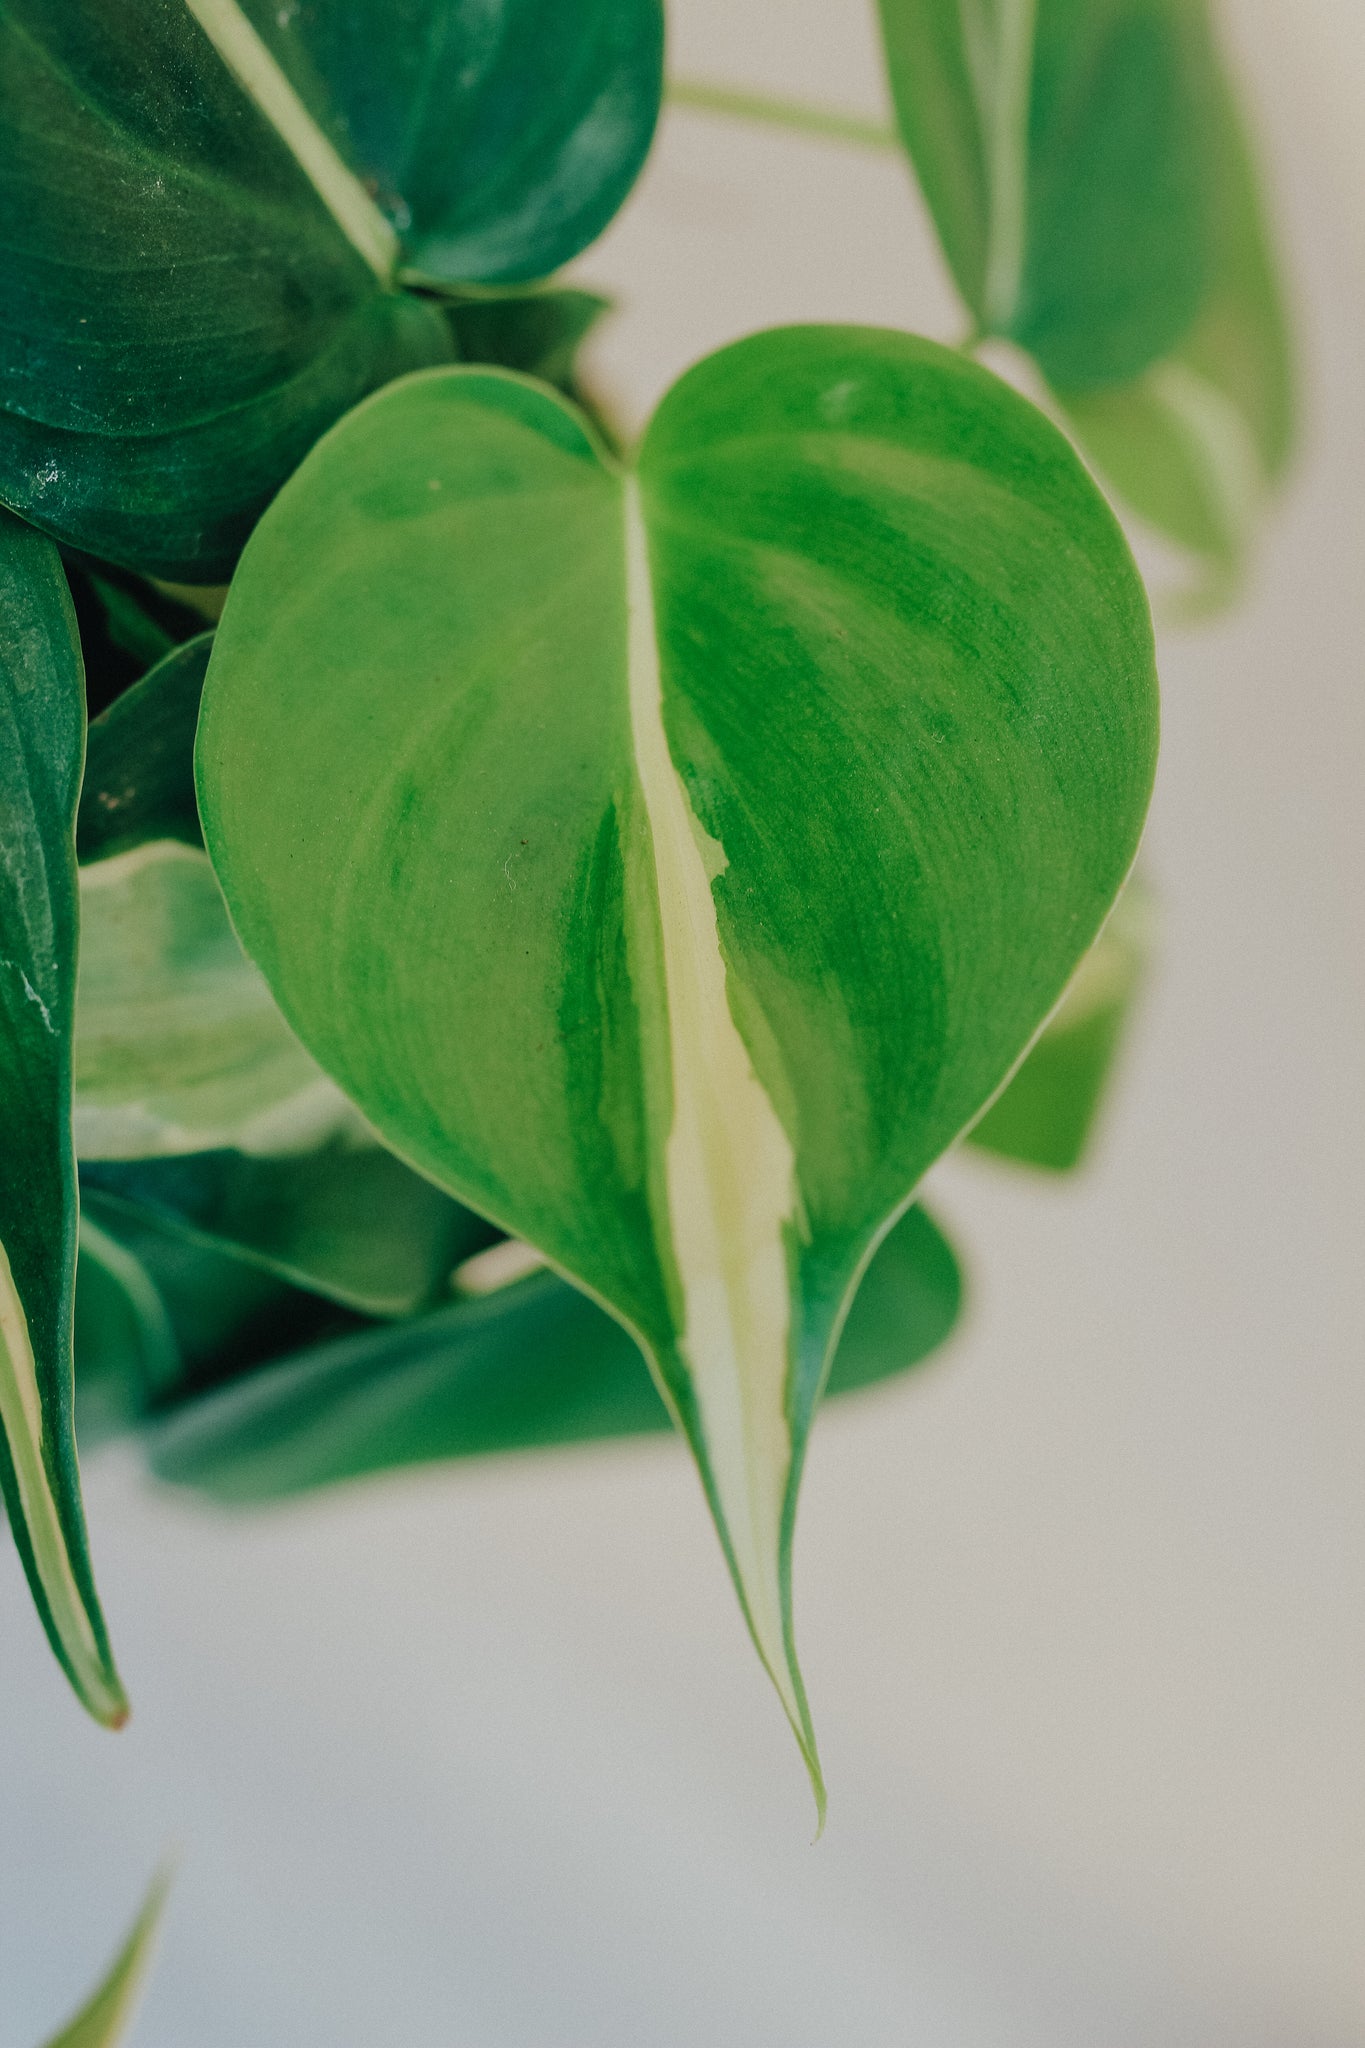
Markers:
(205, 208)
(672, 866)
(534, 1364)
(349, 1221)
(1046, 1115)
(42, 736)
(126, 1348)
(139, 762)
(227, 1313)
(537, 332)
(1063, 148)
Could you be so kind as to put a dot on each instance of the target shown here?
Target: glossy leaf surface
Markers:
(139, 760)
(42, 737)
(1047, 1114)
(179, 1045)
(104, 2020)
(347, 1220)
(533, 1365)
(672, 865)
(205, 206)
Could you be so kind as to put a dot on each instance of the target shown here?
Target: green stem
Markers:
(777, 113)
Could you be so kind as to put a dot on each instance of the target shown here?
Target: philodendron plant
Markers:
(500, 974)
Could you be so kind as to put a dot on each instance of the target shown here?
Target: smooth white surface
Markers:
(481, 1759)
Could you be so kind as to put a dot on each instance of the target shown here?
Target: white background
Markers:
(481, 1759)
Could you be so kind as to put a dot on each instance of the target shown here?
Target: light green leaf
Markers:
(42, 738)
(105, 2019)
(532, 1365)
(1046, 1115)
(672, 865)
(348, 1220)
(139, 760)
(207, 208)
(179, 1045)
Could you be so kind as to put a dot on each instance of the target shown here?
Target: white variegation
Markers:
(262, 80)
(179, 1044)
(21, 1413)
(729, 1172)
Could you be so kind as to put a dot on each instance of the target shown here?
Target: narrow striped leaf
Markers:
(532, 1365)
(106, 2017)
(671, 864)
(208, 207)
(42, 737)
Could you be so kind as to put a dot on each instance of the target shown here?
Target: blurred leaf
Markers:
(1086, 166)
(42, 736)
(671, 866)
(139, 760)
(104, 2020)
(1063, 149)
(130, 627)
(227, 1313)
(349, 1220)
(534, 1364)
(1196, 445)
(207, 207)
(126, 1347)
(538, 333)
(1046, 1115)
(179, 1046)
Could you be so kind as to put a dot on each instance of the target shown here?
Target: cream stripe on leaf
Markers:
(672, 867)
(41, 743)
(262, 80)
(729, 1173)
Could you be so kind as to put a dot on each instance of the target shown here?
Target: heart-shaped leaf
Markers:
(42, 739)
(206, 207)
(532, 1365)
(1086, 168)
(672, 864)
